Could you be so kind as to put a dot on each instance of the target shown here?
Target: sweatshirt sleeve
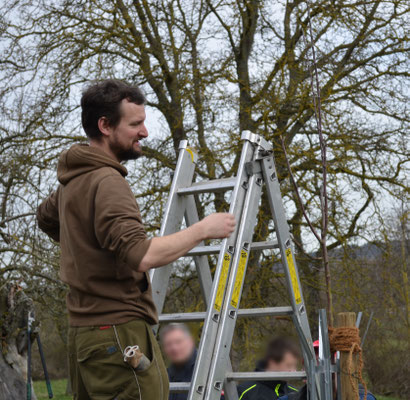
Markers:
(117, 220)
(48, 217)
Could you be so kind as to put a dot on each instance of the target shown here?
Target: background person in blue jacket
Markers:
(282, 354)
(179, 348)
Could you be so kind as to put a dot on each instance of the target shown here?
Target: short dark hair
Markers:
(102, 99)
(278, 347)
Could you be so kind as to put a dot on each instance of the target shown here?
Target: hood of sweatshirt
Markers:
(82, 158)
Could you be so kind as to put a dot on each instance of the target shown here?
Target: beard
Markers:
(124, 153)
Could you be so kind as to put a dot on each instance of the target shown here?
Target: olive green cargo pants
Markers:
(98, 370)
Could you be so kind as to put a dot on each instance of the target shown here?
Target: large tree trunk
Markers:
(14, 309)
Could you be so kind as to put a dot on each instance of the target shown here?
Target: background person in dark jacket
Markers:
(179, 347)
(302, 395)
(282, 354)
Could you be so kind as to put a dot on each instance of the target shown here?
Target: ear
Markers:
(104, 126)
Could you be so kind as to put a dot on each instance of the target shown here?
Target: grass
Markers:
(59, 387)
(386, 398)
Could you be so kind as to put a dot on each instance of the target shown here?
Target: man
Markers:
(105, 253)
(179, 347)
(282, 354)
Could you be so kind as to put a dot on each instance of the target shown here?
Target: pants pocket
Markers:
(150, 380)
(101, 367)
(102, 370)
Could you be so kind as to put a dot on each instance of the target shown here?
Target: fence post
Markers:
(349, 392)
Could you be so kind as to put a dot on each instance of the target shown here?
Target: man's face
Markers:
(124, 141)
(289, 363)
(178, 346)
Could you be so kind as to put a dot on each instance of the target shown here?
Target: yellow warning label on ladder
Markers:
(222, 281)
(239, 278)
(293, 276)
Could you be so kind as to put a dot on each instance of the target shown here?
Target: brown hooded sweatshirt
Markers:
(94, 216)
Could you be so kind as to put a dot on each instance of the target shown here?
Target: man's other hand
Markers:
(218, 225)
(166, 249)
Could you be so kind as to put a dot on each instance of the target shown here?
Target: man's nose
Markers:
(143, 132)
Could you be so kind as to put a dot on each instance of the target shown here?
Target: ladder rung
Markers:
(265, 312)
(175, 387)
(265, 376)
(265, 245)
(203, 250)
(215, 185)
(214, 249)
(183, 317)
(245, 312)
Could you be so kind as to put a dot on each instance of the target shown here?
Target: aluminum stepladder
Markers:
(222, 294)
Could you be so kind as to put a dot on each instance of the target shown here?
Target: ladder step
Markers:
(272, 244)
(244, 313)
(178, 387)
(265, 376)
(203, 250)
(265, 312)
(215, 185)
(183, 317)
(214, 249)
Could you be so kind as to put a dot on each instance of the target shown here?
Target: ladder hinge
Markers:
(252, 167)
(265, 153)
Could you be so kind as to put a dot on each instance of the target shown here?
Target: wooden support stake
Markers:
(349, 392)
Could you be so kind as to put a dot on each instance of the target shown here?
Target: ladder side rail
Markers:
(235, 284)
(304, 341)
(338, 377)
(291, 272)
(205, 280)
(234, 289)
(209, 330)
(312, 382)
(287, 255)
(173, 216)
(230, 389)
(325, 355)
(201, 261)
